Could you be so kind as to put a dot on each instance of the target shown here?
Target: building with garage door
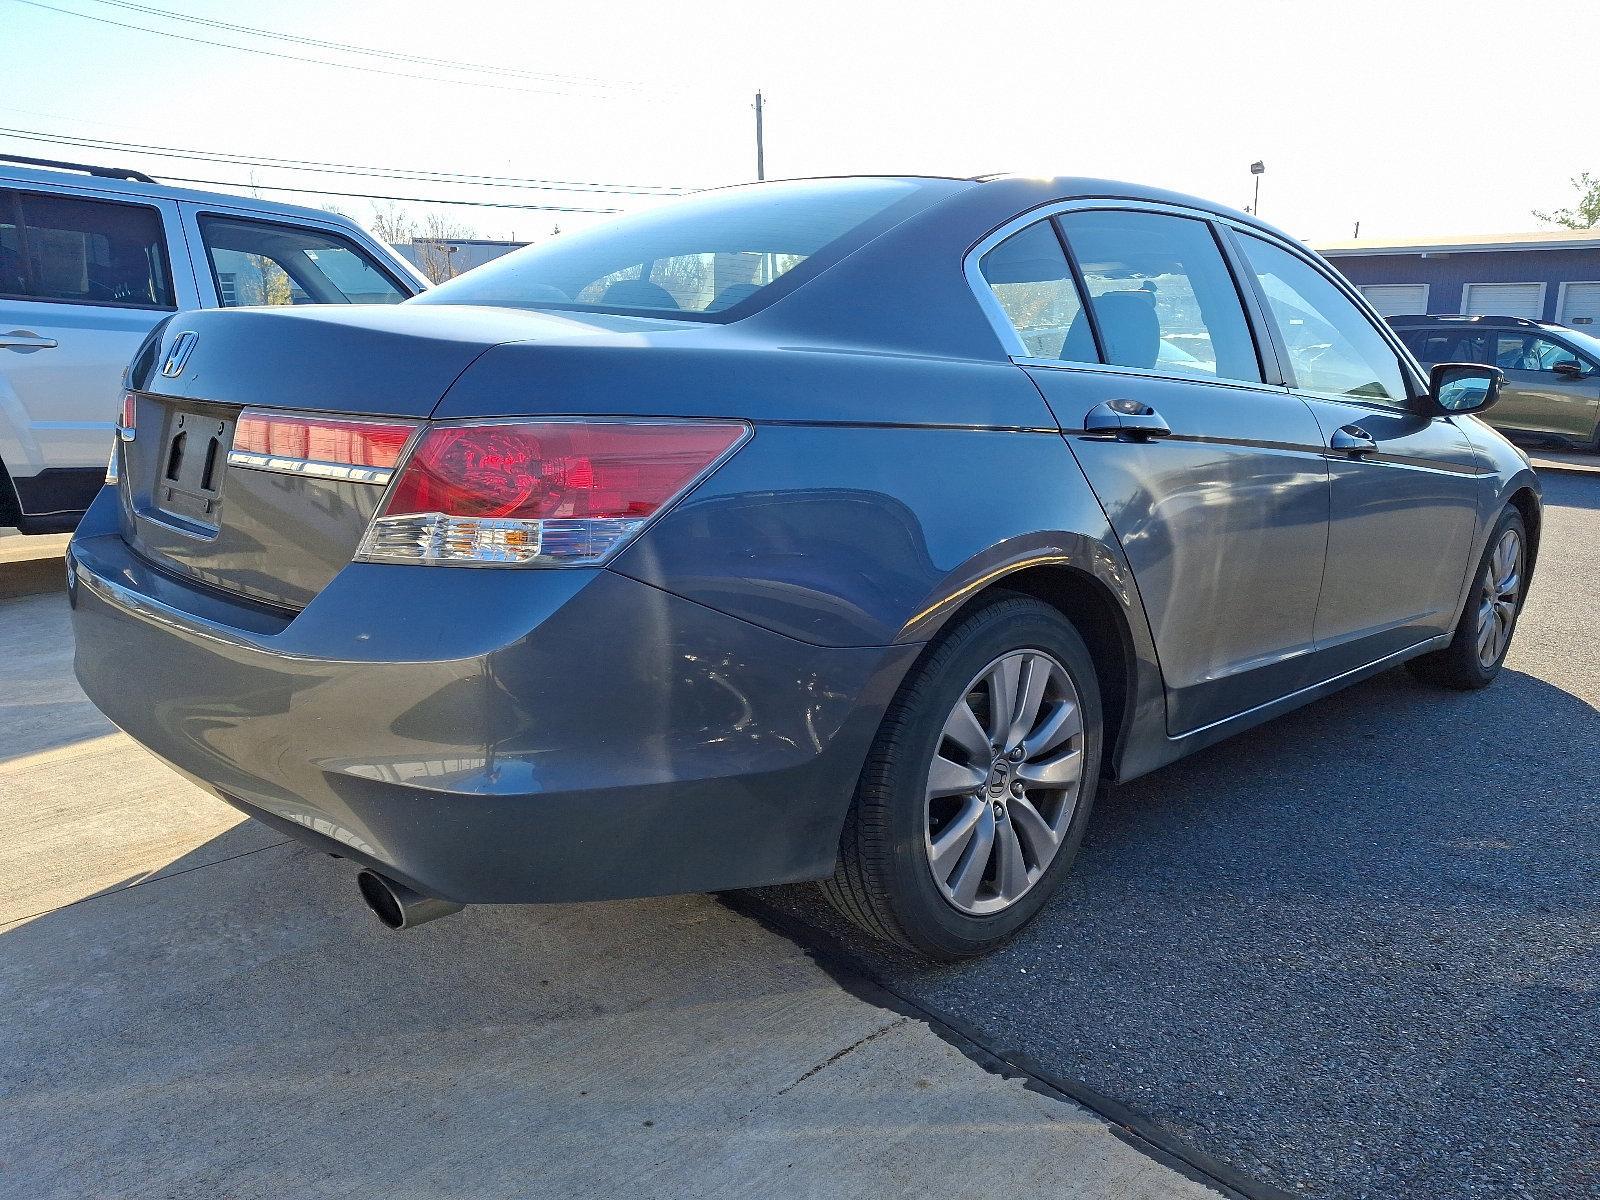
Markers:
(1550, 276)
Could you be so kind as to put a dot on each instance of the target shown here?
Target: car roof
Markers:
(133, 188)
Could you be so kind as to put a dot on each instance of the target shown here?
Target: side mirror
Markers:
(1569, 368)
(1458, 388)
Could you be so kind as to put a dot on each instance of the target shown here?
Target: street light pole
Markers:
(761, 150)
(1258, 169)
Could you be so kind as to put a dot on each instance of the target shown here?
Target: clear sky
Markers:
(1412, 117)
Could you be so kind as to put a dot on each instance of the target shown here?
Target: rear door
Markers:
(82, 280)
(1405, 487)
(1212, 476)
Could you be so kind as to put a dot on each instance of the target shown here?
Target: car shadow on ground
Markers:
(1373, 918)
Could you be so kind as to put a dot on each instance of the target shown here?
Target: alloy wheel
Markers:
(1497, 598)
(1004, 781)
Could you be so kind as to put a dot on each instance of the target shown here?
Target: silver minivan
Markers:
(91, 259)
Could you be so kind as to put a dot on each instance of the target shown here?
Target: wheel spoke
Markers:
(1036, 672)
(1011, 875)
(953, 839)
(1061, 771)
(1033, 829)
(1003, 680)
(969, 872)
(963, 728)
(1065, 721)
(948, 778)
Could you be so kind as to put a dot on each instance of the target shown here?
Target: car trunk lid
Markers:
(264, 438)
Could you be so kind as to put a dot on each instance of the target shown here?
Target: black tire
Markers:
(883, 881)
(1459, 665)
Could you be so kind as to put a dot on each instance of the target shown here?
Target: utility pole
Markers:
(1357, 233)
(761, 152)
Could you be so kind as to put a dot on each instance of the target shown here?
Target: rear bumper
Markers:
(491, 735)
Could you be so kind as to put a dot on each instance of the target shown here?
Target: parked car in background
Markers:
(840, 529)
(91, 258)
(1552, 374)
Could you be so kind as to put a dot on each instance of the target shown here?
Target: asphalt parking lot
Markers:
(1355, 952)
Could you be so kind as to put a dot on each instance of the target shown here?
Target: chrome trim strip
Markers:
(310, 467)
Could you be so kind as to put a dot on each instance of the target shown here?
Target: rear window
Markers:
(700, 256)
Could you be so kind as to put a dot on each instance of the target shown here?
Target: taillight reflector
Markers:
(321, 439)
(540, 493)
(334, 447)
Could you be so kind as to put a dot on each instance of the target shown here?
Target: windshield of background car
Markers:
(1587, 343)
(699, 256)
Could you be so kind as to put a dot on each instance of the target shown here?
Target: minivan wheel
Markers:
(978, 788)
(1483, 634)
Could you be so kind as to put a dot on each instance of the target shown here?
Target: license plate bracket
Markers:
(194, 455)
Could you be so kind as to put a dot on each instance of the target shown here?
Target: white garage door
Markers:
(1580, 306)
(1503, 300)
(1397, 299)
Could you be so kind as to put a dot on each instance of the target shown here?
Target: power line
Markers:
(351, 48)
(321, 62)
(269, 187)
(419, 174)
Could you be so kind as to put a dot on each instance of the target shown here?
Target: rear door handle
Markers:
(1126, 420)
(23, 339)
(1352, 440)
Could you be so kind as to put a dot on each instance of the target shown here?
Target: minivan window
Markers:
(1030, 278)
(1161, 293)
(259, 262)
(83, 251)
(701, 255)
(1333, 348)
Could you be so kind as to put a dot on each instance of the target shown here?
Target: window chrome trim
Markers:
(1061, 364)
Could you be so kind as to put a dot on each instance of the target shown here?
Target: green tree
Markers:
(1583, 215)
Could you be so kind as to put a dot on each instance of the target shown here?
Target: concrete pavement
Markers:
(193, 1007)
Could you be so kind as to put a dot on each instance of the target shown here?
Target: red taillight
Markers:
(330, 440)
(130, 413)
(540, 492)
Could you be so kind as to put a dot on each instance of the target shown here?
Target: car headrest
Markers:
(637, 293)
(1129, 327)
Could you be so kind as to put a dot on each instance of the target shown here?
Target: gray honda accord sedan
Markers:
(847, 530)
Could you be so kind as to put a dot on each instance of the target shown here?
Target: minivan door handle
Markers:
(1126, 420)
(23, 339)
(1352, 440)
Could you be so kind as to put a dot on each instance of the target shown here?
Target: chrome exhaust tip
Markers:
(397, 906)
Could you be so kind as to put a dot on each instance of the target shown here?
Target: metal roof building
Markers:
(1552, 275)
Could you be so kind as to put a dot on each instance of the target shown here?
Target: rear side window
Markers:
(83, 251)
(1032, 283)
(1449, 345)
(702, 255)
(1333, 348)
(257, 262)
(1162, 296)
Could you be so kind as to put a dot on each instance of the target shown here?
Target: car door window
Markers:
(257, 262)
(1032, 283)
(83, 251)
(1526, 352)
(1161, 294)
(1333, 347)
